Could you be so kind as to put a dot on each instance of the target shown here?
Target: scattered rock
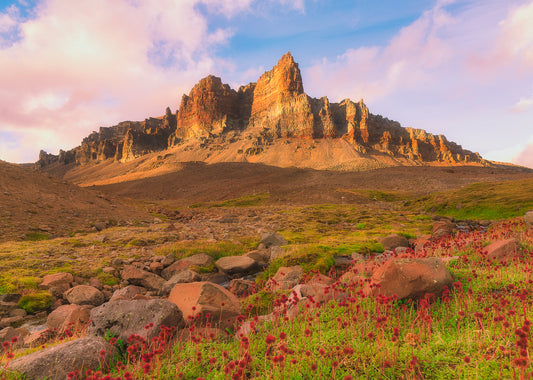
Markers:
(242, 288)
(56, 280)
(394, 241)
(276, 252)
(55, 363)
(200, 260)
(123, 318)
(208, 302)
(68, 316)
(126, 293)
(10, 297)
(261, 257)
(100, 226)
(528, 218)
(141, 277)
(442, 228)
(7, 334)
(285, 278)
(273, 240)
(94, 282)
(216, 278)
(410, 278)
(168, 260)
(232, 265)
(503, 250)
(85, 295)
(7, 307)
(184, 276)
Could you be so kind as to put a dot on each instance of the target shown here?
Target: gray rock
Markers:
(127, 293)
(272, 240)
(232, 265)
(124, 318)
(55, 363)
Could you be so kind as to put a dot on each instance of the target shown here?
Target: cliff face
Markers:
(262, 113)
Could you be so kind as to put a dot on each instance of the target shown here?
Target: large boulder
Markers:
(394, 241)
(200, 260)
(232, 265)
(528, 218)
(123, 318)
(184, 276)
(73, 317)
(285, 278)
(242, 288)
(272, 239)
(503, 250)
(197, 299)
(410, 278)
(85, 295)
(141, 277)
(56, 362)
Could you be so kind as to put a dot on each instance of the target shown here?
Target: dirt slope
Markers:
(37, 203)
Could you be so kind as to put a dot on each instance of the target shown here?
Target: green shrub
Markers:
(36, 302)
(36, 236)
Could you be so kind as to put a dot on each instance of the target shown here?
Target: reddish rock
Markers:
(73, 317)
(142, 278)
(285, 278)
(394, 241)
(528, 219)
(503, 250)
(442, 228)
(56, 279)
(410, 278)
(126, 293)
(181, 277)
(85, 295)
(320, 279)
(200, 260)
(203, 298)
(7, 334)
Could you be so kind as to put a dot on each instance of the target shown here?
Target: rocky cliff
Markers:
(273, 110)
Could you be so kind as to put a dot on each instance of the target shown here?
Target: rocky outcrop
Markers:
(274, 108)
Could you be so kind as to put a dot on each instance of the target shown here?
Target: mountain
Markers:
(272, 121)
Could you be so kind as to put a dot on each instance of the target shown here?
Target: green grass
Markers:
(214, 249)
(488, 201)
(36, 236)
(35, 302)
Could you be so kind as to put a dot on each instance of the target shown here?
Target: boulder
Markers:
(232, 265)
(528, 218)
(56, 362)
(503, 250)
(73, 317)
(123, 318)
(168, 260)
(206, 302)
(442, 228)
(96, 283)
(276, 252)
(10, 297)
(200, 259)
(7, 334)
(185, 276)
(285, 278)
(142, 278)
(410, 278)
(272, 239)
(57, 283)
(321, 279)
(393, 241)
(85, 295)
(261, 257)
(7, 307)
(242, 288)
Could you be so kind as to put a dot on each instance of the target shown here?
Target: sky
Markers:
(462, 68)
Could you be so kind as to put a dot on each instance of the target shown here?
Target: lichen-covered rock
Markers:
(124, 318)
(56, 362)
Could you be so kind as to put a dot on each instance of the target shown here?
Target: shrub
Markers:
(36, 302)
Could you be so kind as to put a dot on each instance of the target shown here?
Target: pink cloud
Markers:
(86, 63)
(525, 158)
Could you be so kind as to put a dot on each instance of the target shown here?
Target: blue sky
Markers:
(462, 68)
